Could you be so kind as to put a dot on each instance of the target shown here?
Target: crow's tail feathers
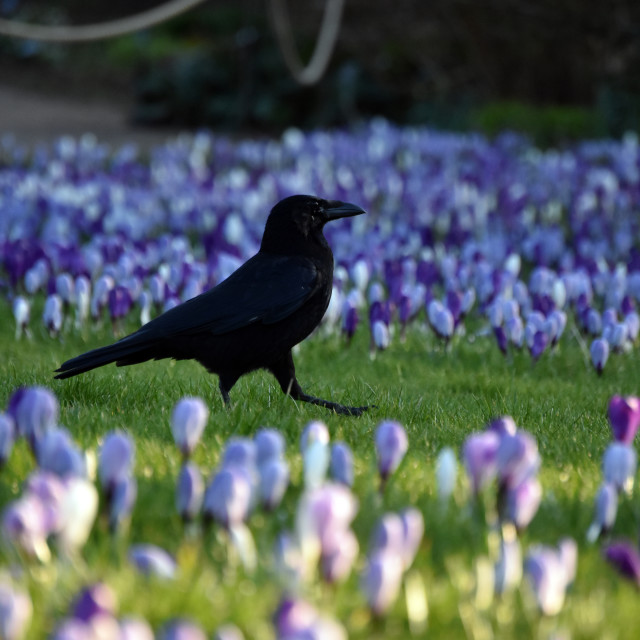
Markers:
(126, 351)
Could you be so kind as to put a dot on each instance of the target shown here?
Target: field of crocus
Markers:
(486, 305)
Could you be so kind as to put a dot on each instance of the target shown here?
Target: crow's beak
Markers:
(337, 209)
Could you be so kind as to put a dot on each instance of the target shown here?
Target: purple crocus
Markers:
(34, 410)
(480, 454)
(96, 599)
(381, 580)
(295, 618)
(274, 479)
(599, 352)
(517, 458)
(269, 444)
(115, 460)
(522, 502)
(606, 509)
(624, 417)
(152, 560)
(339, 552)
(122, 499)
(189, 492)
(391, 445)
(188, 420)
(227, 498)
(342, 463)
(57, 453)
(548, 578)
(619, 464)
(52, 314)
(26, 523)
(625, 558)
(7, 437)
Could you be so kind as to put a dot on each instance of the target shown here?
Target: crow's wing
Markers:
(265, 289)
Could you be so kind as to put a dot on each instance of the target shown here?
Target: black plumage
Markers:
(256, 316)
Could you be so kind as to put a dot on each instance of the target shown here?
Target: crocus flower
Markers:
(188, 421)
(115, 460)
(342, 463)
(15, 611)
(240, 452)
(152, 560)
(625, 558)
(135, 629)
(228, 632)
(412, 532)
(21, 313)
(269, 444)
(599, 351)
(78, 510)
(508, 568)
(34, 410)
(57, 453)
(446, 472)
(181, 629)
(82, 300)
(314, 443)
(391, 445)
(52, 314)
(339, 552)
(26, 524)
(298, 619)
(548, 578)
(380, 335)
(624, 417)
(274, 479)
(517, 458)
(522, 502)
(122, 499)
(227, 498)
(96, 599)
(7, 437)
(189, 492)
(619, 464)
(480, 453)
(72, 629)
(606, 509)
(381, 580)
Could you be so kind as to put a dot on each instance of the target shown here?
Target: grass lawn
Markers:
(439, 395)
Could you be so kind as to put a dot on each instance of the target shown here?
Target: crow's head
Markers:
(295, 224)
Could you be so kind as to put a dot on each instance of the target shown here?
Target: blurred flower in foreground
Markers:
(619, 464)
(342, 463)
(391, 445)
(625, 558)
(549, 572)
(227, 498)
(7, 437)
(606, 509)
(228, 632)
(188, 421)
(181, 629)
(34, 410)
(446, 472)
(314, 444)
(152, 560)
(15, 611)
(296, 618)
(624, 417)
(189, 492)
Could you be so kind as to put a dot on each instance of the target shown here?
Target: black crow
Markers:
(256, 316)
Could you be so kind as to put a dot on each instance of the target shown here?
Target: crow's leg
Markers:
(225, 384)
(285, 372)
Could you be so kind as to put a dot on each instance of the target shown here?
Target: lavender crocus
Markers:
(517, 458)
(228, 632)
(188, 421)
(15, 611)
(181, 629)
(115, 459)
(122, 499)
(391, 445)
(135, 629)
(189, 492)
(522, 502)
(599, 352)
(548, 578)
(52, 314)
(619, 464)
(606, 509)
(479, 454)
(342, 463)
(381, 580)
(270, 444)
(7, 437)
(227, 498)
(624, 417)
(21, 314)
(34, 410)
(152, 560)
(274, 479)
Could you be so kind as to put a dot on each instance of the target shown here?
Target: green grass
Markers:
(439, 395)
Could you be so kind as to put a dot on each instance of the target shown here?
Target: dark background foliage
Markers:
(557, 69)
